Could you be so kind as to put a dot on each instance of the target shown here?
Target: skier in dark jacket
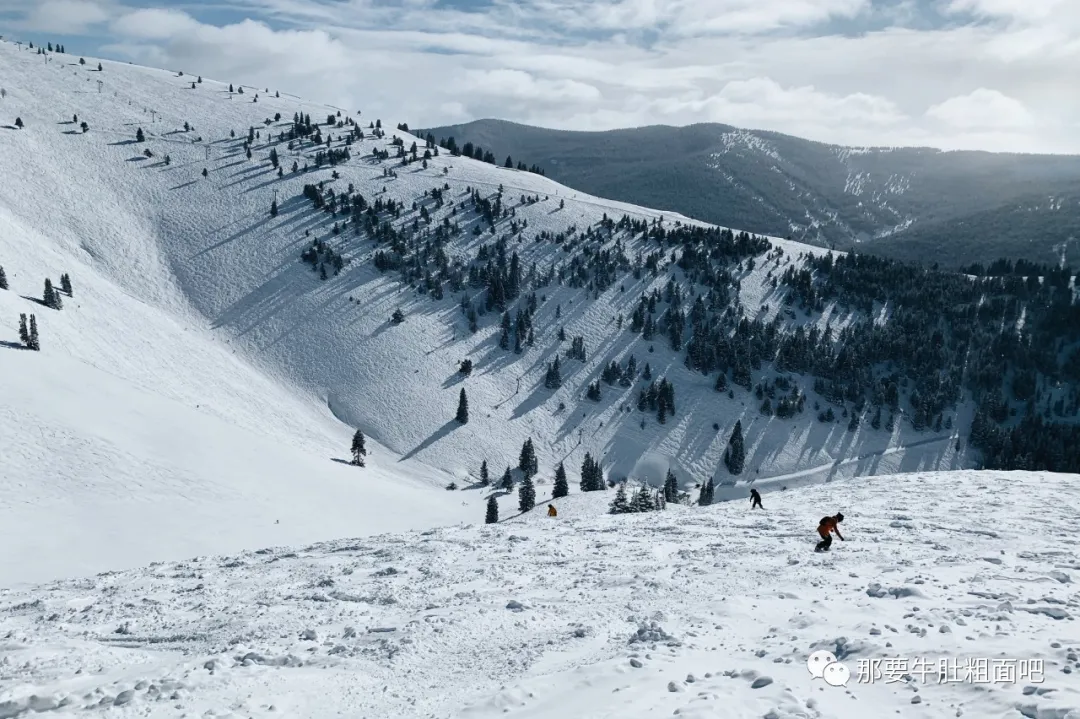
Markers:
(755, 499)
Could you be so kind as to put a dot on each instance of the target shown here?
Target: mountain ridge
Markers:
(826, 194)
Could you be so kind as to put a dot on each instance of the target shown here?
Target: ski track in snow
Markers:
(534, 617)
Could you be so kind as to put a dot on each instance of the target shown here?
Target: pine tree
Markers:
(139, 136)
(492, 515)
(51, 297)
(19, 123)
(562, 487)
(507, 481)
(586, 473)
(527, 461)
(642, 501)
(358, 449)
(553, 376)
(398, 317)
(33, 344)
(3, 279)
(705, 496)
(853, 424)
(485, 478)
(526, 495)
(24, 333)
(671, 487)
(273, 208)
(735, 456)
(462, 415)
(620, 505)
(876, 421)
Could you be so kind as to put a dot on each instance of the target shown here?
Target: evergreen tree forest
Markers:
(910, 343)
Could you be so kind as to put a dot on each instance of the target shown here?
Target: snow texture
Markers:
(694, 612)
(198, 392)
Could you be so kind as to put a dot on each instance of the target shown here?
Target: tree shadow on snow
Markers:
(454, 379)
(13, 345)
(435, 437)
(123, 142)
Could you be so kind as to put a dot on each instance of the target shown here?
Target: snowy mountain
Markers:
(951, 596)
(908, 203)
(192, 393)
(255, 276)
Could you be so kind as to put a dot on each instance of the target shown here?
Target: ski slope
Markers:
(708, 613)
(193, 394)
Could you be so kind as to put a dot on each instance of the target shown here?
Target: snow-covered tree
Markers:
(139, 135)
(642, 501)
(507, 481)
(3, 279)
(492, 515)
(620, 504)
(24, 331)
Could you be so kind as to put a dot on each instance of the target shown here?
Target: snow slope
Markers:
(192, 300)
(695, 612)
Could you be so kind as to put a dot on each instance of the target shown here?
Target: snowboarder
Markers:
(551, 511)
(755, 499)
(828, 524)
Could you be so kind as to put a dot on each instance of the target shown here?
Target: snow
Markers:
(193, 393)
(178, 450)
(693, 612)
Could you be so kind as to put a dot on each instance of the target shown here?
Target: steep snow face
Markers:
(700, 612)
(192, 298)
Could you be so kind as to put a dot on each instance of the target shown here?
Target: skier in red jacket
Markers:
(827, 525)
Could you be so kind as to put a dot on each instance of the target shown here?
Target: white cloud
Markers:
(155, 24)
(69, 17)
(982, 109)
(614, 63)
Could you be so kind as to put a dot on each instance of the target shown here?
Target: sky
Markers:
(1001, 75)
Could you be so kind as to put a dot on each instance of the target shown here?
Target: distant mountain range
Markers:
(954, 208)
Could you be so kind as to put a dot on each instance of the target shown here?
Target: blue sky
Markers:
(957, 74)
